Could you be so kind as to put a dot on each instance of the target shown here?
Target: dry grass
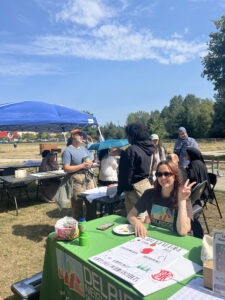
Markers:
(23, 237)
(204, 146)
(23, 151)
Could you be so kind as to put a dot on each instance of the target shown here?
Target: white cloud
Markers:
(177, 36)
(89, 12)
(14, 68)
(111, 42)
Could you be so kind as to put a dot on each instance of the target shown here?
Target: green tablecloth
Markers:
(68, 274)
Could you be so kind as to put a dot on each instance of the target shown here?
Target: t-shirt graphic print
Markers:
(162, 216)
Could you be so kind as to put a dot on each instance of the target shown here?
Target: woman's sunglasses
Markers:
(166, 174)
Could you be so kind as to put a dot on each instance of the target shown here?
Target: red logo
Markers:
(146, 251)
(163, 275)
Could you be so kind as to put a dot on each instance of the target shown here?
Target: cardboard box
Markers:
(21, 173)
(208, 274)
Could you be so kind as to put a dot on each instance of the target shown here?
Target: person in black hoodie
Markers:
(134, 163)
(196, 170)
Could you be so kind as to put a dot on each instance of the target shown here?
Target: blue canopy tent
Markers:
(42, 117)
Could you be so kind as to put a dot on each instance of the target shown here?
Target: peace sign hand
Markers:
(185, 191)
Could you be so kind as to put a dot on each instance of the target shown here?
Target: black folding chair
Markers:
(197, 207)
(212, 196)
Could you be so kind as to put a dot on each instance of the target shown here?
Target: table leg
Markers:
(218, 167)
(17, 212)
(13, 196)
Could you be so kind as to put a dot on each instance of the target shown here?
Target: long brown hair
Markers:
(178, 181)
(69, 141)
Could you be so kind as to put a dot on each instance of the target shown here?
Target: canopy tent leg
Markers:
(100, 134)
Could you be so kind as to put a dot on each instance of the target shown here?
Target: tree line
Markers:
(195, 114)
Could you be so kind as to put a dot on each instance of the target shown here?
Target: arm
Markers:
(183, 221)
(69, 169)
(139, 228)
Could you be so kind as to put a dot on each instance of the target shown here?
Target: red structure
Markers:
(9, 134)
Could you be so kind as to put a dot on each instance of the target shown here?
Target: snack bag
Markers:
(66, 229)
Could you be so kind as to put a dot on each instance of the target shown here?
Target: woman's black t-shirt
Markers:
(160, 209)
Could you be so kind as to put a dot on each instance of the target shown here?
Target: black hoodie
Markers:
(134, 164)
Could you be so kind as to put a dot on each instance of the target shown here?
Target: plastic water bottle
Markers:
(83, 239)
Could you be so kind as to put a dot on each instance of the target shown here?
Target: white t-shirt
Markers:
(108, 169)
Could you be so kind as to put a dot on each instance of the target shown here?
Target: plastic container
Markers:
(83, 239)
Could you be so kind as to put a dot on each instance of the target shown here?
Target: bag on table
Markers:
(141, 186)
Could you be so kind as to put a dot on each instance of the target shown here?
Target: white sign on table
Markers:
(141, 261)
(219, 262)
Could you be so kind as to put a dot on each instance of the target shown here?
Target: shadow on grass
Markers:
(12, 298)
(56, 213)
(35, 233)
(8, 204)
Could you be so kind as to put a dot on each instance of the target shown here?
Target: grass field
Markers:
(23, 237)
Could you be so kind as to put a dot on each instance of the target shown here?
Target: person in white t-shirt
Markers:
(108, 168)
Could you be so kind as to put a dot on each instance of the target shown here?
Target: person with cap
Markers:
(77, 159)
(182, 143)
(160, 152)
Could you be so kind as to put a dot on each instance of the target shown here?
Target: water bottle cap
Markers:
(82, 220)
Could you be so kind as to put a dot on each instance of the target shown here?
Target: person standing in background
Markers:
(197, 170)
(134, 163)
(108, 168)
(160, 151)
(48, 187)
(181, 145)
(77, 158)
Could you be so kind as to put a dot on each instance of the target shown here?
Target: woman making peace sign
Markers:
(168, 203)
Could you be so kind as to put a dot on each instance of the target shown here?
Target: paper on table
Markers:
(195, 290)
(133, 261)
(57, 172)
(95, 193)
(40, 174)
(177, 271)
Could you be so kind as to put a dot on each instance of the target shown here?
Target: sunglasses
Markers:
(166, 174)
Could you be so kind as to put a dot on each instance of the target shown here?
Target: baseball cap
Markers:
(79, 132)
(154, 137)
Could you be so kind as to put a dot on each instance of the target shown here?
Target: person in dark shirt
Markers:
(134, 163)
(167, 204)
(196, 170)
(175, 159)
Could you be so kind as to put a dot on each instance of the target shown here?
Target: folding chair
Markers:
(197, 207)
(212, 196)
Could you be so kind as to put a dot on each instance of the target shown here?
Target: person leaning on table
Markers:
(167, 204)
(76, 158)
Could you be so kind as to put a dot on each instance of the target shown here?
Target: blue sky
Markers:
(108, 57)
